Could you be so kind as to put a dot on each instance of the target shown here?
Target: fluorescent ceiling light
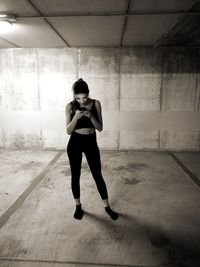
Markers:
(11, 18)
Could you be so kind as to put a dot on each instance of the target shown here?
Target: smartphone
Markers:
(82, 109)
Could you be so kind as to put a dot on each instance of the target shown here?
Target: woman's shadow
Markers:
(125, 228)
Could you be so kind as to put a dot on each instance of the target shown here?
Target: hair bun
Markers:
(80, 87)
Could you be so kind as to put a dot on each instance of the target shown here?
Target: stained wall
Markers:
(150, 97)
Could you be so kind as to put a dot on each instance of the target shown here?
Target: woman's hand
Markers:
(87, 113)
(79, 114)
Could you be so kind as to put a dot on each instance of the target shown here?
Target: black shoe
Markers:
(113, 215)
(78, 214)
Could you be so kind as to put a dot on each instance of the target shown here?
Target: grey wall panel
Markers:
(57, 71)
(179, 80)
(19, 92)
(180, 92)
(100, 68)
(140, 82)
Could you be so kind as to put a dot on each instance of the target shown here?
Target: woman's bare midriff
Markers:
(85, 131)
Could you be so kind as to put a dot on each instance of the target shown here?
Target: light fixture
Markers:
(6, 22)
(5, 17)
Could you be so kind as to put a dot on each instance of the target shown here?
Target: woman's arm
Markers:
(98, 124)
(71, 124)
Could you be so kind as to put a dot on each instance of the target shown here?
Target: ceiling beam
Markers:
(125, 23)
(5, 40)
(96, 14)
(45, 19)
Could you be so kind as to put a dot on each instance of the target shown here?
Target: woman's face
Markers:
(81, 98)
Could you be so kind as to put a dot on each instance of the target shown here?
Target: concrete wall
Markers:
(150, 97)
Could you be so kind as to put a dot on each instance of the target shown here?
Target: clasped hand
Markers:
(79, 114)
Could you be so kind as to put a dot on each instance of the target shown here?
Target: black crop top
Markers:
(84, 122)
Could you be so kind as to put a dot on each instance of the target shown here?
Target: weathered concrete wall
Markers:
(140, 82)
(150, 97)
(100, 68)
(35, 85)
(180, 99)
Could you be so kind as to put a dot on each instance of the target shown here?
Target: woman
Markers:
(83, 116)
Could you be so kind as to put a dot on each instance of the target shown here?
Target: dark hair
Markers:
(80, 87)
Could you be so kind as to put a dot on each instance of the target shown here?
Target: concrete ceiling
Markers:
(91, 23)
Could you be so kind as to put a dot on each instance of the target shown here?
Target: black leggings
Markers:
(79, 143)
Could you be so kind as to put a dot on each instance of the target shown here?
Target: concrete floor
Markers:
(154, 192)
